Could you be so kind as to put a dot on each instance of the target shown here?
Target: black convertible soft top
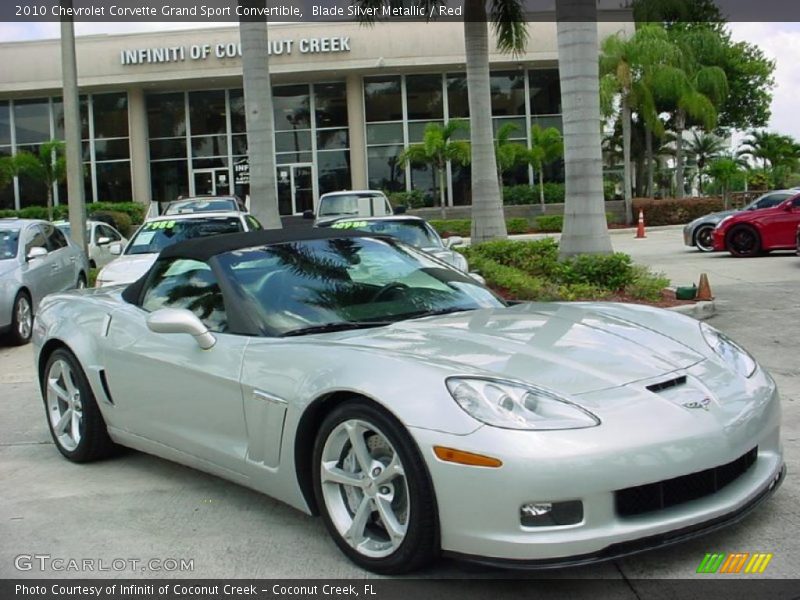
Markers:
(205, 247)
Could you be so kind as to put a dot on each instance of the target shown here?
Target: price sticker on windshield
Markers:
(349, 225)
(160, 225)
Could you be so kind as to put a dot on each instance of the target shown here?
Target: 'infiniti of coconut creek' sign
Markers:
(167, 54)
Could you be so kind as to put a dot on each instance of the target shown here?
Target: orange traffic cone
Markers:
(640, 228)
(704, 289)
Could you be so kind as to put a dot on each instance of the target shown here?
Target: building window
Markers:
(110, 113)
(457, 97)
(383, 99)
(385, 171)
(424, 97)
(330, 104)
(32, 121)
(291, 105)
(545, 91)
(166, 115)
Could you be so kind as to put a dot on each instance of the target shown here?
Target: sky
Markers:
(779, 41)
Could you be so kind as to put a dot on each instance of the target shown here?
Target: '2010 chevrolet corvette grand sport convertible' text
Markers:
(354, 376)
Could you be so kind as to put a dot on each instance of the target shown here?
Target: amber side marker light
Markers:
(465, 458)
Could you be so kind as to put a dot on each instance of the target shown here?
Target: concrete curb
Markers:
(699, 310)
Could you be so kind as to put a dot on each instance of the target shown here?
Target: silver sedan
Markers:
(36, 259)
(356, 377)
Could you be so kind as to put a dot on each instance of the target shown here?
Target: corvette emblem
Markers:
(704, 403)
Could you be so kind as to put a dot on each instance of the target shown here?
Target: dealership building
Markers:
(163, 113)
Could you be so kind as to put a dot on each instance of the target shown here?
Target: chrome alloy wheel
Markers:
(64, 406)
(364, 488)
(24, 317)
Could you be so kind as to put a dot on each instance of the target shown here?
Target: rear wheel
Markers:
(75, 421)
(704, 238)
(373, 490)
(21, 319)
(743, 241)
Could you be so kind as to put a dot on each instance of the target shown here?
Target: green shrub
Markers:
(550, 223)
(609, 190)
(135, 210)
(450, 227)
(33, 212)
(535, 257)
(412, 199)
(675, 211)
(608, 271)
(554, 193)
(120, 220)
(519, 194)
(7, 213)
(517, 225)
(645, 284)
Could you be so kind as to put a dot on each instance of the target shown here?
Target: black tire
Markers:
(704, 238)
(420, 544)
(743, 241)
(94, 442)
(21, 330)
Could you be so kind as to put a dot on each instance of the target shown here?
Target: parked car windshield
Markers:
(323, 285)
(154, 236)
(342, 204)
(413, 233)
(9, 241)
(201, 205)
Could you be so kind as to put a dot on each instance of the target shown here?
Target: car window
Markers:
(108, 232)
(9, 242)
(201, 205)
(189, 284)
(154, 236)
(771, 200)
(796, 203)
(54, 237)
(35, 239)
(413, 233)
(253, 224)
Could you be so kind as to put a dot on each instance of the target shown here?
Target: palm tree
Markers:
(626, 65)
(48, 166)
(6, 171)
(704, 148)
(436, 149)
(547, 145)
(724, 170)
(258, 115)
(585, 230)
(690, 91)
(508, 154)
(779, 154)
(508, 22)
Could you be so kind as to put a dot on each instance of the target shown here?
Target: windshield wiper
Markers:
(337, 326)
(431, 313)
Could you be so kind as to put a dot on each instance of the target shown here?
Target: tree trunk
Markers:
(50, 201)
(648, 141)
(680, 123)
(440, 175)
(488, 220)
(541, 187)
(585, 229)
(627, 193)
(72, 133)
(258, 111)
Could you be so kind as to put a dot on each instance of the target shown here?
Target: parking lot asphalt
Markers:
(140, 507)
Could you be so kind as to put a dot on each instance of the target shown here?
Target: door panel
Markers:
(204, 183)
(37, 273)
(167, 389)
(284, 179)
(303, 188)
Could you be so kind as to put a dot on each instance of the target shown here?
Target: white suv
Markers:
(156, 234)
(353, 203)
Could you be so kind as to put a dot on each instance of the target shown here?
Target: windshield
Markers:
(201, 205)
(9, 241)
(343, 204)
(66, 229)
(156, 235)
(296, 286)
(413, 233)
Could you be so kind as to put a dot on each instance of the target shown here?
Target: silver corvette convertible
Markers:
(353, 376)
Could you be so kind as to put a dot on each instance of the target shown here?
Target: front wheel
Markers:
(21, 319)
(373, 490)
(75, 421)
(704, 238)
(743, 242)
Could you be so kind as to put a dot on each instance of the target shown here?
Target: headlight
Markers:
(517, 406)
(734, 355)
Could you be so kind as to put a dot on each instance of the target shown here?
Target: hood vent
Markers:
(665, 385)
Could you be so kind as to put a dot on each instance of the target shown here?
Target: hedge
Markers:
(134, 210)
(463, 227)
(553, 193)
(675, 211)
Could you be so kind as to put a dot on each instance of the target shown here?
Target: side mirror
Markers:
(180, 320)
(454, 240)
(308, 214)
(103, 241)
(400, 210)
(115, 248)
(36, 252)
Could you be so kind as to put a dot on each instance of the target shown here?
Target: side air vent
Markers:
(665, 385)
(104, 383)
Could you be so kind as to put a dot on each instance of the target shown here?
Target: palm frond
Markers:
(509, 26)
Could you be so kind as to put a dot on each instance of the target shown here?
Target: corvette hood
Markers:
(572, 348)
(126, 269)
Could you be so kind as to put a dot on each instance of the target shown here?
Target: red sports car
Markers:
(749, 233)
